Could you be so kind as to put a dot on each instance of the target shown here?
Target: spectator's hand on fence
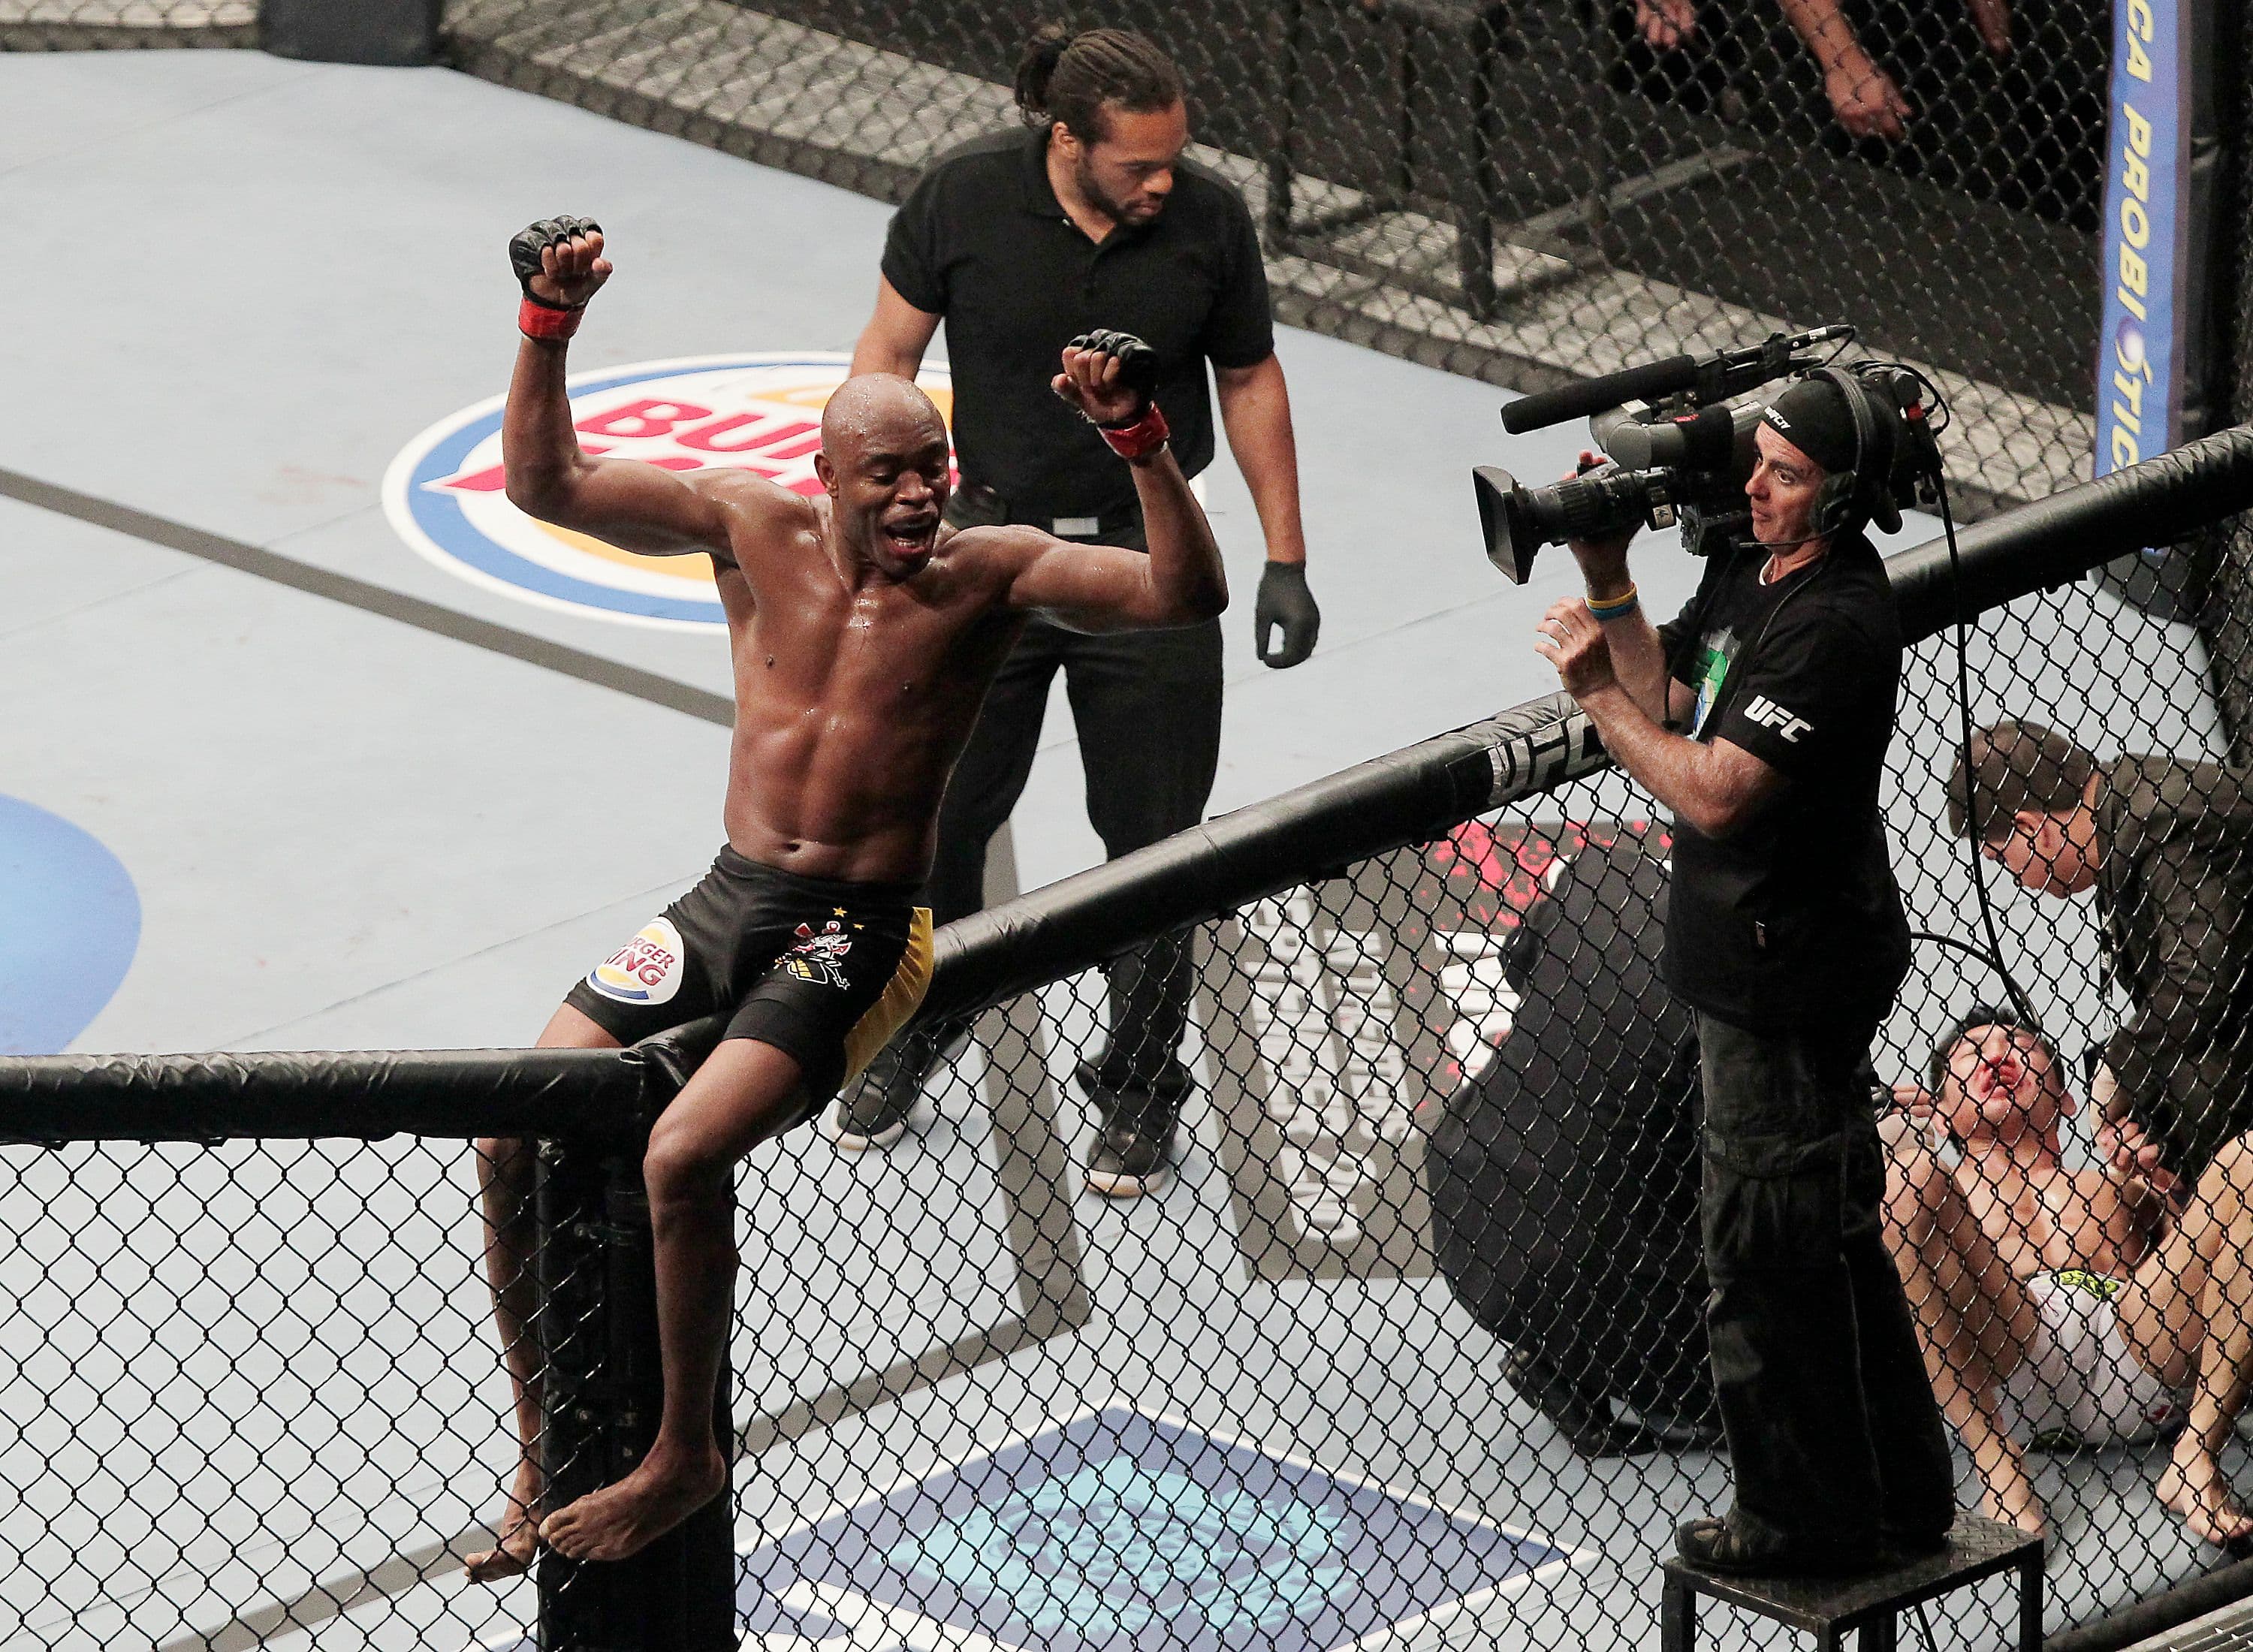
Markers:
(1569, 638)
(1992, 19)
(1865, 99)
(1666, 25)
(559, 261)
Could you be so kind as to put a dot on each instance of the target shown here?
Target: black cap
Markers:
(1813, 416)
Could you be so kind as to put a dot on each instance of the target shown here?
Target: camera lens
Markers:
(1518, 521)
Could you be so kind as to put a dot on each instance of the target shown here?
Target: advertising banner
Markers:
(2162, 168)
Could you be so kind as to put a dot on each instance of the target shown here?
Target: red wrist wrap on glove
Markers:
(536, 320)
(1140, 439)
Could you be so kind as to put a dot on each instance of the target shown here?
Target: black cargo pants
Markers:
(1832, 1427)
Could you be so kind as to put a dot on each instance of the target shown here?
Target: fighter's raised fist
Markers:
(1109, 376)
(559, 261)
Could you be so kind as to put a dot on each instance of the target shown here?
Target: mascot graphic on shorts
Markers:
(820, 959)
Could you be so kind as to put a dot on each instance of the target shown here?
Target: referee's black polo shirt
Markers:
(982, 241)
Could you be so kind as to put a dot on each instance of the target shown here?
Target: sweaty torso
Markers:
(854, 694)
(2040, 1222)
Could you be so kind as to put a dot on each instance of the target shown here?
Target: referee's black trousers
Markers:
(1147, 708)
(1832, 1427)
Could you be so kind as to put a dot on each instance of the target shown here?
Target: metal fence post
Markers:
(573, 1351)
(393, 33)
(603, 1395)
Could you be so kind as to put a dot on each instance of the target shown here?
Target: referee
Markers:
(1091, 217)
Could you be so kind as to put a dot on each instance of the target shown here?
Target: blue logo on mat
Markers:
(1119, 1531)
(1117, 1548)
(69, 921)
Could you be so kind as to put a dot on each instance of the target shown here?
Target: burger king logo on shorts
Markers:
(646, 970)
(757, 413)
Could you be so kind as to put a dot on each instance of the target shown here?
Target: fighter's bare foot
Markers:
(2014, 1503)
(517, 1535)
(2193, 1488)
(623, 1519)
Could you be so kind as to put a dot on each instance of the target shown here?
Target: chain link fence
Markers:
(231, 1372)
(1413, 1340)
(2225, 599)
(79, 26)
(1411, 1348)
(1522, 193)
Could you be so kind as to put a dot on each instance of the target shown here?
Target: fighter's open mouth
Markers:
(913, 537)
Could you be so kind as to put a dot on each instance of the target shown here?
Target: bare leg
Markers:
(504, 1175)
(1974, 1320)
(736, 1101)
(2189, 1310)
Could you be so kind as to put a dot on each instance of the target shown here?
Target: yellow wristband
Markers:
(1615, 607)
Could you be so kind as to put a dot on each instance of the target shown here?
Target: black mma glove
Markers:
(1138, 366)
(1285, 600)
(538, 318)
(1142, 432)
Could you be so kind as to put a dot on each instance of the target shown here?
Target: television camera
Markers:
(1684, 456)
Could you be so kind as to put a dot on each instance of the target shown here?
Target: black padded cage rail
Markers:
(1411, 1348)
(592, 1095)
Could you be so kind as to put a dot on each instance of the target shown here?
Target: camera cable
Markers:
(1994, 955)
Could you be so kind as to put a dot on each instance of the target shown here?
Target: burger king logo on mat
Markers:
(757, 413)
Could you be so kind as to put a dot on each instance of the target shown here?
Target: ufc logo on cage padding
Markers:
(1527, 760)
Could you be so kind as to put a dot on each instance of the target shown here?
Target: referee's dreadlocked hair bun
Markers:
(1066, 79)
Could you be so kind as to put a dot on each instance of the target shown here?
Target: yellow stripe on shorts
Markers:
(899, 999)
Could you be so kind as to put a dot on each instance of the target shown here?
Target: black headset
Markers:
(1850, 499)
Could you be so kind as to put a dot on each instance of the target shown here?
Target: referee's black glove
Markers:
(1285, 600)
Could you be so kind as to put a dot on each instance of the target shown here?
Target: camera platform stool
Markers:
(1867, 1602)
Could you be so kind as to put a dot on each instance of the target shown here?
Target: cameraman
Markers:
(1785, 935)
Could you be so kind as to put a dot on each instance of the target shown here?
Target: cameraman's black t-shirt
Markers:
(1794, 920)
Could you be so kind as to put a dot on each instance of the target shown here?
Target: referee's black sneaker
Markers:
(875, 1108)
(1125, 1164)
(1133, 1134)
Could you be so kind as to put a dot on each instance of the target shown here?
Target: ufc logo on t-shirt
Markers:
(1769, 714)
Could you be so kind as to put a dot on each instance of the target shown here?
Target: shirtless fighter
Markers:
(864, 634)
(2100, 1303)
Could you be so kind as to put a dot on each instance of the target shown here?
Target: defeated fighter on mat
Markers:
(2106, 1305)
(864, 633)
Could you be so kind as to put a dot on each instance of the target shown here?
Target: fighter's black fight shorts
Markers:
(824, 972)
